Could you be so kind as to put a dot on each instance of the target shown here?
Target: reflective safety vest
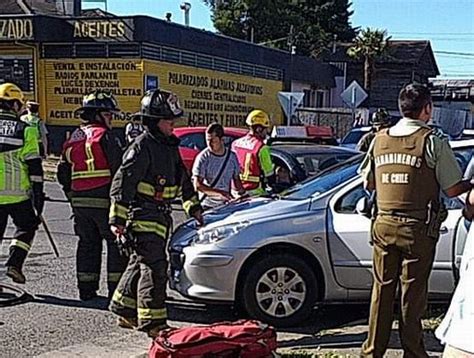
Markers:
(17, 145)
(90, 168)
(34, 121)
(247, 149)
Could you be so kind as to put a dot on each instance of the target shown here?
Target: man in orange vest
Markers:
(89, 160)
(256, 167)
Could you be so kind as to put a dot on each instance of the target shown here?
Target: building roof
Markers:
(412, 52)
(28, 7)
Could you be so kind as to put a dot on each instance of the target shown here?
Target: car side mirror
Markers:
(364, 207)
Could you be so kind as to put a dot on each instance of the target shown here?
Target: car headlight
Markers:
(209, 236)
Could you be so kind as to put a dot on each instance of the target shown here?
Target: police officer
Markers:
(33, 119)
(380, 120)
(256, 167)
(151, 176)
(21, 179)
(407, 165)
(89, 160)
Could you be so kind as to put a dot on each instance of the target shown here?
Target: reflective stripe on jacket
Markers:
(18, 144)
(247, 149)
(90, 168)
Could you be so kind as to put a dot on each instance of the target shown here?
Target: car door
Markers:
(348, 235)
(351, 252)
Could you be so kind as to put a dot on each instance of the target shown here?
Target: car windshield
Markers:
(353, 137)
(325, 181)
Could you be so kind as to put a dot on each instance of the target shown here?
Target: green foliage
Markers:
(369, 45)
(310, 25)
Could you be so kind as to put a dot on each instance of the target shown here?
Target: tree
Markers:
(369, 45)
(315, 23)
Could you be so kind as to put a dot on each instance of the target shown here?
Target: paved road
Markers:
(56, 324)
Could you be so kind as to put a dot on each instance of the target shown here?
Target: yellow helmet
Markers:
(11, 92)
(258, 117)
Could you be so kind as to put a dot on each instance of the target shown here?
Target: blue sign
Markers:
(151, 82)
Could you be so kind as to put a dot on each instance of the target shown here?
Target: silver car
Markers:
(277, 257)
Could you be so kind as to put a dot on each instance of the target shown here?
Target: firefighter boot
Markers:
(15, 274)
(155, 331)
(128, 323)
(86, 295)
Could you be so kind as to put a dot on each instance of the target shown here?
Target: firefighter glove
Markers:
(126, 243)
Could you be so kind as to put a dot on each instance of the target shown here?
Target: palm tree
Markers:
(369, 45)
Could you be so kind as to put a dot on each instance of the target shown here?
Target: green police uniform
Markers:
(364, 143)
(408, 166)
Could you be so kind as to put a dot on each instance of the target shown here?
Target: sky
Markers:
(448, 24)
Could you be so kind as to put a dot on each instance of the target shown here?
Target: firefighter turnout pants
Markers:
(403, 256)
(26, 223)
(141, 292)
(92, 227)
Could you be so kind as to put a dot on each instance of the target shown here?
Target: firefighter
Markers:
(21, 179)
(256, 167)
(90, 157)
(152, 174)
(32, 118)
(380, 120)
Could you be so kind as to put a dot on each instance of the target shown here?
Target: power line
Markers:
(455, 53)
(434, 33)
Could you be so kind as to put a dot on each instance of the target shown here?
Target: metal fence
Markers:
(340, 119)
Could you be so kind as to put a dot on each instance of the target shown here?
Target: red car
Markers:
(193, 140)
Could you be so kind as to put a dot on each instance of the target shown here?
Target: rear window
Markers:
(353, 137)
(313, 164)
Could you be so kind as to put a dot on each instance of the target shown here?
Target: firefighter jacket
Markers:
(20, 161)
(89, 160)
(254, 160)
(403, 179)
(152, 174)
(35, 121)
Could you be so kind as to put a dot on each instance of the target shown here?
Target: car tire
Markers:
(279, 289)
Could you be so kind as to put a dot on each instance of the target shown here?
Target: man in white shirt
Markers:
(215, 170)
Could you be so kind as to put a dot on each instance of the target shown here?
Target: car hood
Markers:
(251, 210)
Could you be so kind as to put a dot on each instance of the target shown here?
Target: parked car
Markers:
(302, 160)
(351, 139)
(193, 140)
(277, 257)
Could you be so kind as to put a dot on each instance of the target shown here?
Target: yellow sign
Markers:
(16, 29)
(212, 96)
(66, 82)
(206, 96)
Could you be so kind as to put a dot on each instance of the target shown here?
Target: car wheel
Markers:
(279, 289)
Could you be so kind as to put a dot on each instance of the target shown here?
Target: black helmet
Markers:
(160, 104)
(99, 100)
(380, 117)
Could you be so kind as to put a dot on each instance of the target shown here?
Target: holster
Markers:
(437, 214)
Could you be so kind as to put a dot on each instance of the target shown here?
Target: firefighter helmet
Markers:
(160, 104)
(11, 92)
(380, 117)
(258, 118)
(99, 100)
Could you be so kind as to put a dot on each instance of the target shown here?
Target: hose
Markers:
(19, 295)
